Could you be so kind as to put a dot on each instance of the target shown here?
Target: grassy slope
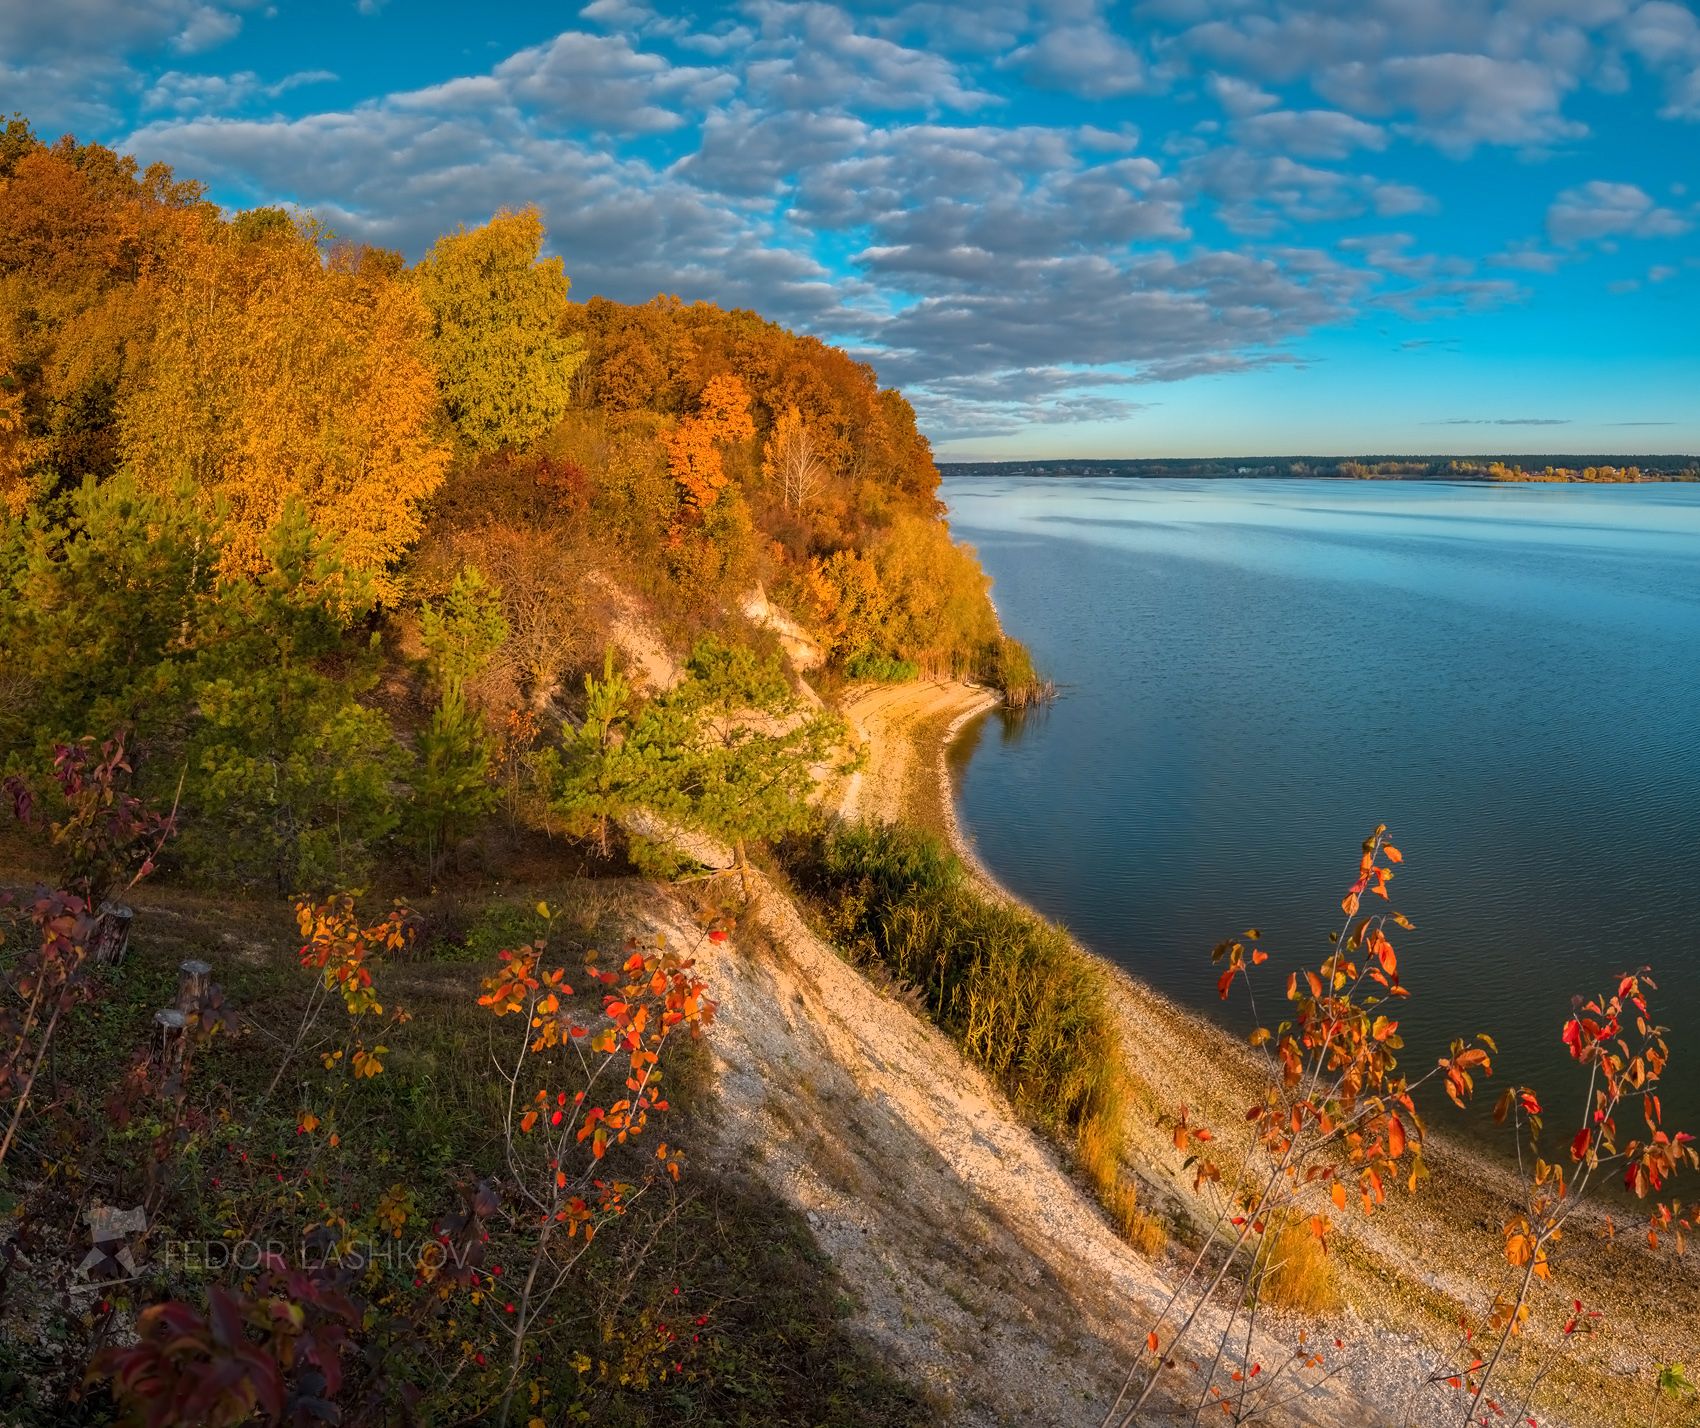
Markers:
(773, 1350)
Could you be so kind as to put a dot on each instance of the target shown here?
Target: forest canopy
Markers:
(249, 467)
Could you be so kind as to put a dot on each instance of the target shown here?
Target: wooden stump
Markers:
(194, 980)
(112, 933)
(172, 1026)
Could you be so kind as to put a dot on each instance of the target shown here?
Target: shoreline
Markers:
(1390, 1274)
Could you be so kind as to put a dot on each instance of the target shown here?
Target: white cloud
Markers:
(183, 93)
(1459, 101)
(207, 28)
(1309, 133)
(1239, 97)
(1600, 210)
(852, 166)
(602, 83)
(810, 55)
(1085, 58)
(67, 63)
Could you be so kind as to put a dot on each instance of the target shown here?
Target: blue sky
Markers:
(1169, 227)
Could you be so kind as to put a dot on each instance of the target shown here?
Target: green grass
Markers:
(1014, 993)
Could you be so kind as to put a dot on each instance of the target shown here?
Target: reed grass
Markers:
(1296, 1272)
(1013, 992)
(1009, 668)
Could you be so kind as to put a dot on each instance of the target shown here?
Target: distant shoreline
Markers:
(1501, 470)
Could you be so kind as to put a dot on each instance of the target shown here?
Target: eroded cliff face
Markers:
(983, 1270)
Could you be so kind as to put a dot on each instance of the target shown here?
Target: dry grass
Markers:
(1296, 1271)
(1098, 1158)
(1145, 1232)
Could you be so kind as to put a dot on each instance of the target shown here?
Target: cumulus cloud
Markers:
(66, 64)
(1309, 133)
(183, 93)
(1454, 73)
(602, 83)
(115, 27)
(1459, 101)
(1259, 193)
(1006, 402)
(1239, 97)
(1085, 58)
(809, 55)
(1666, 37)
(208, 26)
(1599, 210)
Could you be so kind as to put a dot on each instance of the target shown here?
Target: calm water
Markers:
(1258, 672)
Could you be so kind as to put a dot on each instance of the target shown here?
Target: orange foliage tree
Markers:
(694, 445)
(340, 951)
(271, 377)
(80, 228)
(580, 1085)
(1501, 1363)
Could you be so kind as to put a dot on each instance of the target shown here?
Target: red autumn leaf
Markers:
(1573, 1037)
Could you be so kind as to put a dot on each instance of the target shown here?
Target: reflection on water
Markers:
(1257, 672)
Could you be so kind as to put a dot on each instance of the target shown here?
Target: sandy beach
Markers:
(1408, 1273)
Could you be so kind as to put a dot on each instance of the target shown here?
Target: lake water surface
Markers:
(1257, 672)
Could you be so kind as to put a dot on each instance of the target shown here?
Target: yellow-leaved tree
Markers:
(504, 357)
(14, 443)
(694, 445)
(792, 459)
(271, 376)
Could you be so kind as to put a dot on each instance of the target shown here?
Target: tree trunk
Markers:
(172, 1025)
(744, 869)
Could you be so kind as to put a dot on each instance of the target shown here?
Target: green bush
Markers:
(499, 926)
(881, 668)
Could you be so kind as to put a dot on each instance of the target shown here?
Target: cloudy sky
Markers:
(1067, 227)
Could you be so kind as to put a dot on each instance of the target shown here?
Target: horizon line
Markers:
(1615, 459)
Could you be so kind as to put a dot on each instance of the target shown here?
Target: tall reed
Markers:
(1008, 667)
(1014, 993)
